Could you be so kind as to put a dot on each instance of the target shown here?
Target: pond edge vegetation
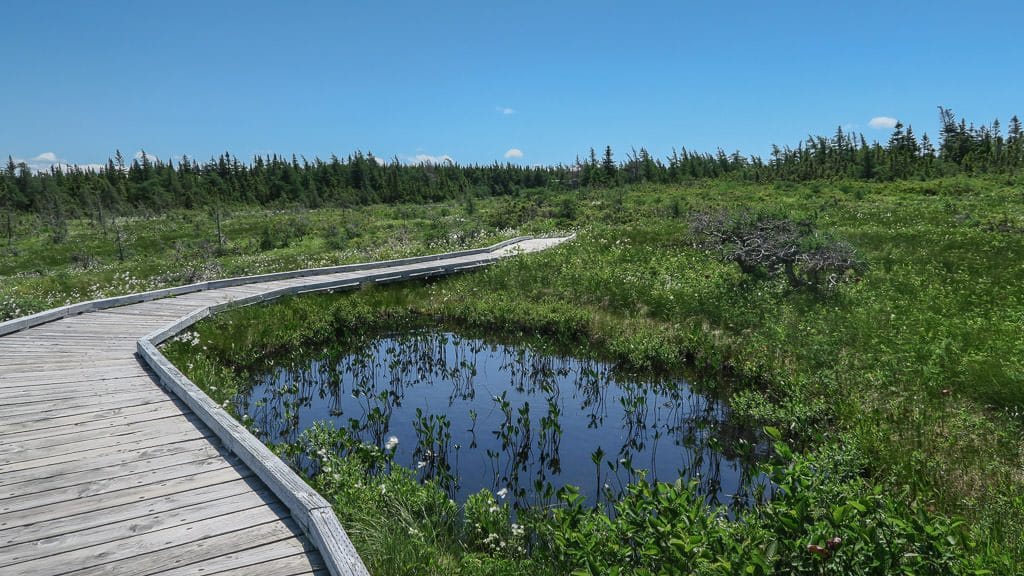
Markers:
(313, 512)
(822, 495)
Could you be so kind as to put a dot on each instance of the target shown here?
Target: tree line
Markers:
(149, 185)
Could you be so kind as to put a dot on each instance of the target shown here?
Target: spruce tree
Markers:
(6, 204)
(1014, 131)
(608, 167)
(1014, 144)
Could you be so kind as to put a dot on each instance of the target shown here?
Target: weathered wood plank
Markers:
(116, 531)
(46, 336)
(75, 375)
(126, 445)
(34, 450)
(90, 322)
(147, 552)
(57, 345)
(200, 551)
(70, 393)
(153, 416)
(162, 309)
(65, 509)
(132, 510)
(117, 366)
(71, 376)
(284, 558)
(103, 486)
(41, 410)
(57, 349)
(59, 352)
(55, 426)
(38, 478)
(127, 384)
(14, 362)
(125, 467)
(47, 390)
(64, 410)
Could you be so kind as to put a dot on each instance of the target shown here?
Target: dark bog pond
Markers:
(510, 418)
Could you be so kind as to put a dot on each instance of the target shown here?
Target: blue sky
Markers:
(475, 80)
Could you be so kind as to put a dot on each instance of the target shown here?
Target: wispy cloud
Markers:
(506, 110)
(138, 156)
(882, 122)
(428, 159)
(44, 161)
(514, 153)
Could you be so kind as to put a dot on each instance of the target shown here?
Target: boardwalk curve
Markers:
(113, 462)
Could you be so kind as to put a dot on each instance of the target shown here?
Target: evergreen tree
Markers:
(7, 206)
(1014, 131)
(608, 166)
(1014, 144)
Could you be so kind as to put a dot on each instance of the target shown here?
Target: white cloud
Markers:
(514, 153)
(506, 110)
(152, 157)
(428, 159)
(880, 122)
(43, 162)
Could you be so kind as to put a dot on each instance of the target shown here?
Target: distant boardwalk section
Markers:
(112, 462)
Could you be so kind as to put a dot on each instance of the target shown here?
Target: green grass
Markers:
(906, 388)
(181, 247)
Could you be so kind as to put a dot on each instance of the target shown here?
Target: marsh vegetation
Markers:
(877, 347)
(896, 396)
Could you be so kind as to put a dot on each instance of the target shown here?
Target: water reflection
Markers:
(520, 422)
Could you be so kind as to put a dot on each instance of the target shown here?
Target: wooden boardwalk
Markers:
(104, 471)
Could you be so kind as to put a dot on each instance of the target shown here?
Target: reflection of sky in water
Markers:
(516, 418)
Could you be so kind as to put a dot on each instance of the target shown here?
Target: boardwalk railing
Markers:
(52, 314)
(310, 510)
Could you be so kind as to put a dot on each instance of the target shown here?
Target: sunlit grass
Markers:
(917, 370)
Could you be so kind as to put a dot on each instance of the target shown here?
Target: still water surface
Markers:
(509, 418)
